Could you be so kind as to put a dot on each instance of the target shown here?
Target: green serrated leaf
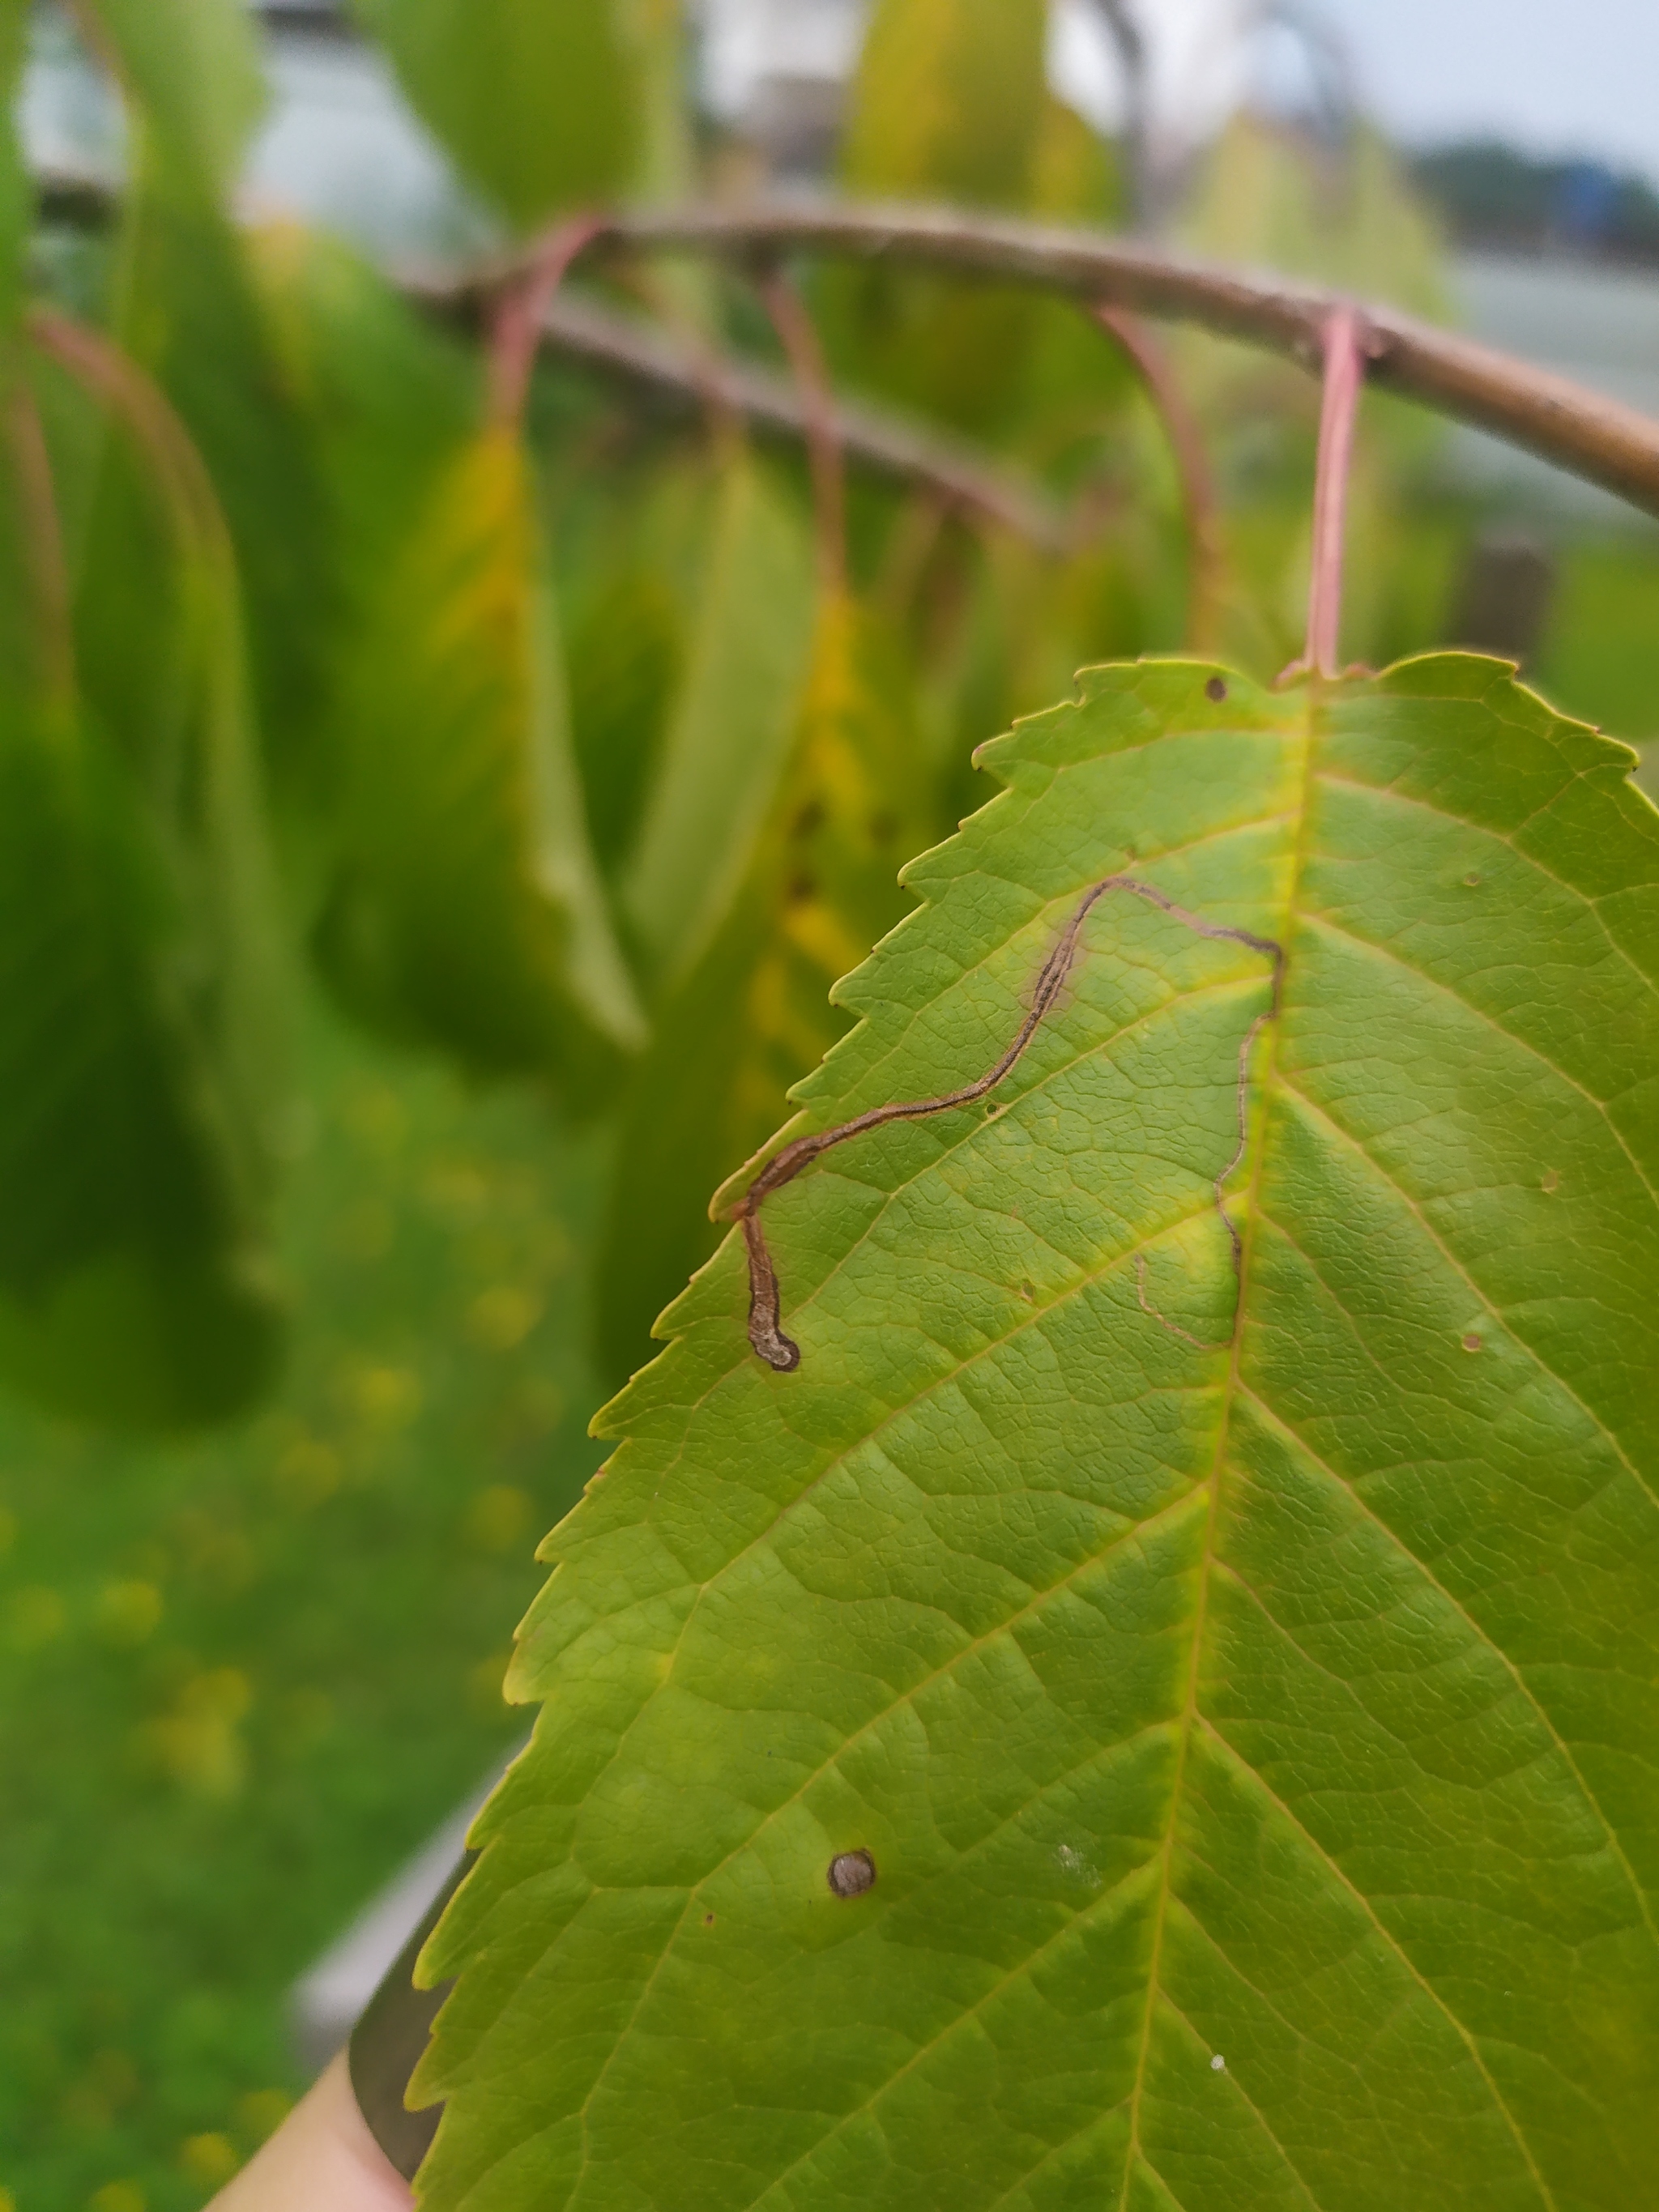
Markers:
(468, 909)
(756, 1014)
(1243, 1685)
(541, 102)
(728, 739)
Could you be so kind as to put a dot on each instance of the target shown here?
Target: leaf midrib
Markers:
(1302, 817)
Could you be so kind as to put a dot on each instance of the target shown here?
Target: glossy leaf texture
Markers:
(467, 907)
(1245, 1687)
(757, 1013)
(141, 1095)
(542, 103)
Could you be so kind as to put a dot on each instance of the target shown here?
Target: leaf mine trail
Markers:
(765, 1315)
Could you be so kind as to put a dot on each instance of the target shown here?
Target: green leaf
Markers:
(949, 103)
(192, 71)
(468, 909)
(541, 102)
(196, 317)
(1253, 1743)
(357, 406)
(757, 1012)
(728, 740)
(134, 1284)
(16, 190)
(626, 657)
(141, 1061)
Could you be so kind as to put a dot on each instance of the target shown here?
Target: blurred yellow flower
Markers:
(308, 1473)
(500, 1319)
(128, 1612)
(382, 1397)
(118, 2196)
(259, 2113)
(209, 2159)
(200, 1742)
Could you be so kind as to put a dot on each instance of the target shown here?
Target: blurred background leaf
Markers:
(541, 102)
(754, 1013)
(466, 909)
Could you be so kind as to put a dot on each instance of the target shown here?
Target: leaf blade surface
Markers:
(1259, 1668)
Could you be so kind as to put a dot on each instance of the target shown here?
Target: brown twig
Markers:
(798, 335)
(878, 437)
(1185, 434)
(765, 1319)
(1599, 438)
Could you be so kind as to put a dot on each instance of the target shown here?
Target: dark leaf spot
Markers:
(707, 1919)
(1471, 1342)
(851, 1873)
(1216, 689)
(1472, 880)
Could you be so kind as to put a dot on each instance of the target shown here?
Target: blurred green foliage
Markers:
(554, 744)
(241, 1679)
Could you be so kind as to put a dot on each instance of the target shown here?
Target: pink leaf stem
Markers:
(517, 330)
(1345, 373)
(1185, 434)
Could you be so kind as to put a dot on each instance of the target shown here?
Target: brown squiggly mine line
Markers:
(765, 1329)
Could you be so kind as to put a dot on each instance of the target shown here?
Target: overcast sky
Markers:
(1556, 75)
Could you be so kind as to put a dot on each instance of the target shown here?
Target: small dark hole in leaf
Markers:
(851, 1873)
(1216, 689)
(707, 1919)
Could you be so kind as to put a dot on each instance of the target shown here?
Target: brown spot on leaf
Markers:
(1472, 1342)
(1216, 689)
(851, 1873)
(1472, 880)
